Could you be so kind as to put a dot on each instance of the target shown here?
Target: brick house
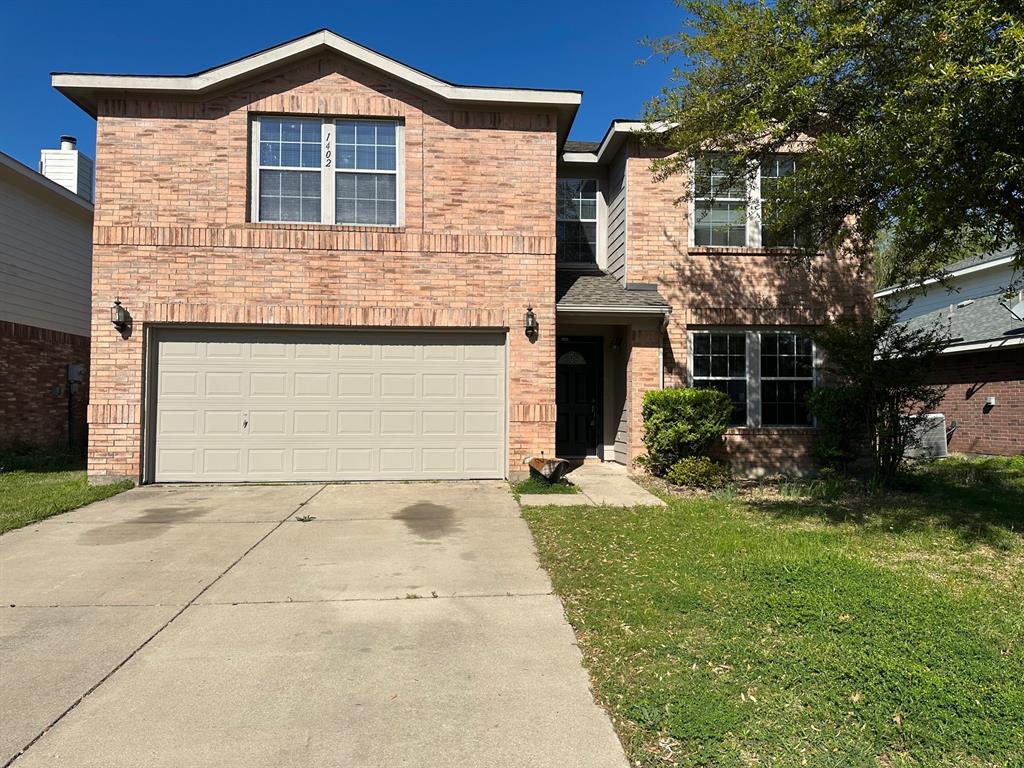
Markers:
(339, 267)
(979, 305)
(45, 267)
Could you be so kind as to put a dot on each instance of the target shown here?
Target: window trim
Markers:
(328, 170)
(753, 348)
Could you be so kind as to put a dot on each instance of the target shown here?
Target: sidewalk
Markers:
(599, 484)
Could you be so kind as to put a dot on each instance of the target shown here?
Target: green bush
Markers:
(842, 425)
(700, 472)
(682, 423)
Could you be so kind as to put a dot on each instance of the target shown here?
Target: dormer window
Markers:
(576, 224)
(343, 171)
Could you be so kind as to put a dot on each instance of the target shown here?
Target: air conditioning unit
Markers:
(931, 438)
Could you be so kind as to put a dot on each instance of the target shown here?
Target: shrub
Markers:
(841, 414)
(700, 472)
(682, 423)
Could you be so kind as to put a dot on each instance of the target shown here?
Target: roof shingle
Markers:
(599, 289)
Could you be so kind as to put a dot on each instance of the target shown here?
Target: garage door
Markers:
(263, 405)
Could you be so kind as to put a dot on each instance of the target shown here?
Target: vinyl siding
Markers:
(616, 240)
(45, 257)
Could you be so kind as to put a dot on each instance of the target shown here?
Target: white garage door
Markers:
(266, 405)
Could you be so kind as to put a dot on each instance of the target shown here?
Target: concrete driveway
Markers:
(403, 625)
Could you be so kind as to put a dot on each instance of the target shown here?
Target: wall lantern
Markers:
(119, 316)
(530, 323)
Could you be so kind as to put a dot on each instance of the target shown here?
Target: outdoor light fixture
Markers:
(530, 323)
(119, 316)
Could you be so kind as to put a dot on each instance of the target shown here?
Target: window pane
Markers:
(787, 377)
(702, 344)
(367, 144)
(386, 134)
(366, 198)
(386, 158)
(290, 196)
(290, 143)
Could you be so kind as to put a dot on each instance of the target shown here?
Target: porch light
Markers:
(119, 316)
(530, 323)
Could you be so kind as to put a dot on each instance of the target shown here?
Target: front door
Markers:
(578, 375)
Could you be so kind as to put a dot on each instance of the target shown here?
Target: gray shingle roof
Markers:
(581, 146)
(599, 289)
(982, 320)
(984, 258)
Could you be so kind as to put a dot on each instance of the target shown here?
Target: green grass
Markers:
(539, 485)
(804, 625)
(27, 497)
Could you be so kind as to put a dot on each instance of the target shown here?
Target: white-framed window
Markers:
(327, 171)
(576, 221)
(773, 170)
(767, 374)
(719, 207)
(736, 213)
(719, 361)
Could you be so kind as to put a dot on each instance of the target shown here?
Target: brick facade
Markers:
(972, 378)
(173, 241)
(729, 287)
(36, 406)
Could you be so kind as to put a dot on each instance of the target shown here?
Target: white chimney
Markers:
(68, 167)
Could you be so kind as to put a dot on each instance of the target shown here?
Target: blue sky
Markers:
(592, 46)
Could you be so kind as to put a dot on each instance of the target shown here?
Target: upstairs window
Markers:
(720, 207)
(576, 225)
(767, 374)
(289, 170)
(326, 171)
(734, 213)
(773, 171)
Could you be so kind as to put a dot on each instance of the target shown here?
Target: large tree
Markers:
(916, 109)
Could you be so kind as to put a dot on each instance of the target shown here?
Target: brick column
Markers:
(643, 373)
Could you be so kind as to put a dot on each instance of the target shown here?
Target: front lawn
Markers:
(805, 625)
(27, 497)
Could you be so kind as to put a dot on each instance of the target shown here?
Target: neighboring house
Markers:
(45, 266)
(339, 267)
(983, 365)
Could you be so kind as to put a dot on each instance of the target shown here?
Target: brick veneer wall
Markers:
(729, 287)
(172, 238)
(33, 364)
(972, 377)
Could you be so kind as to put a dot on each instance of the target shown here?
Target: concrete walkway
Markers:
(599, 484)
(287, 626)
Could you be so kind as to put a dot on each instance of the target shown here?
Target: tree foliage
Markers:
(915, 109)
(879, 371)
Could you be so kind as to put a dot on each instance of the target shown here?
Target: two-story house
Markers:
(45, 307)
(334, 266)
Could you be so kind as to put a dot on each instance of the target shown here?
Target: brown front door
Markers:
(578, 376)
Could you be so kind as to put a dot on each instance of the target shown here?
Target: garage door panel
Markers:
(309, 405)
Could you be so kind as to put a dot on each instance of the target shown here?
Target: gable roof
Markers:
(84, 88)
(985, 261)
(43, 183)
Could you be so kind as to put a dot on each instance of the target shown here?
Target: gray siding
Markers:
(622, 434)
(45, 256)
(616, 197)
